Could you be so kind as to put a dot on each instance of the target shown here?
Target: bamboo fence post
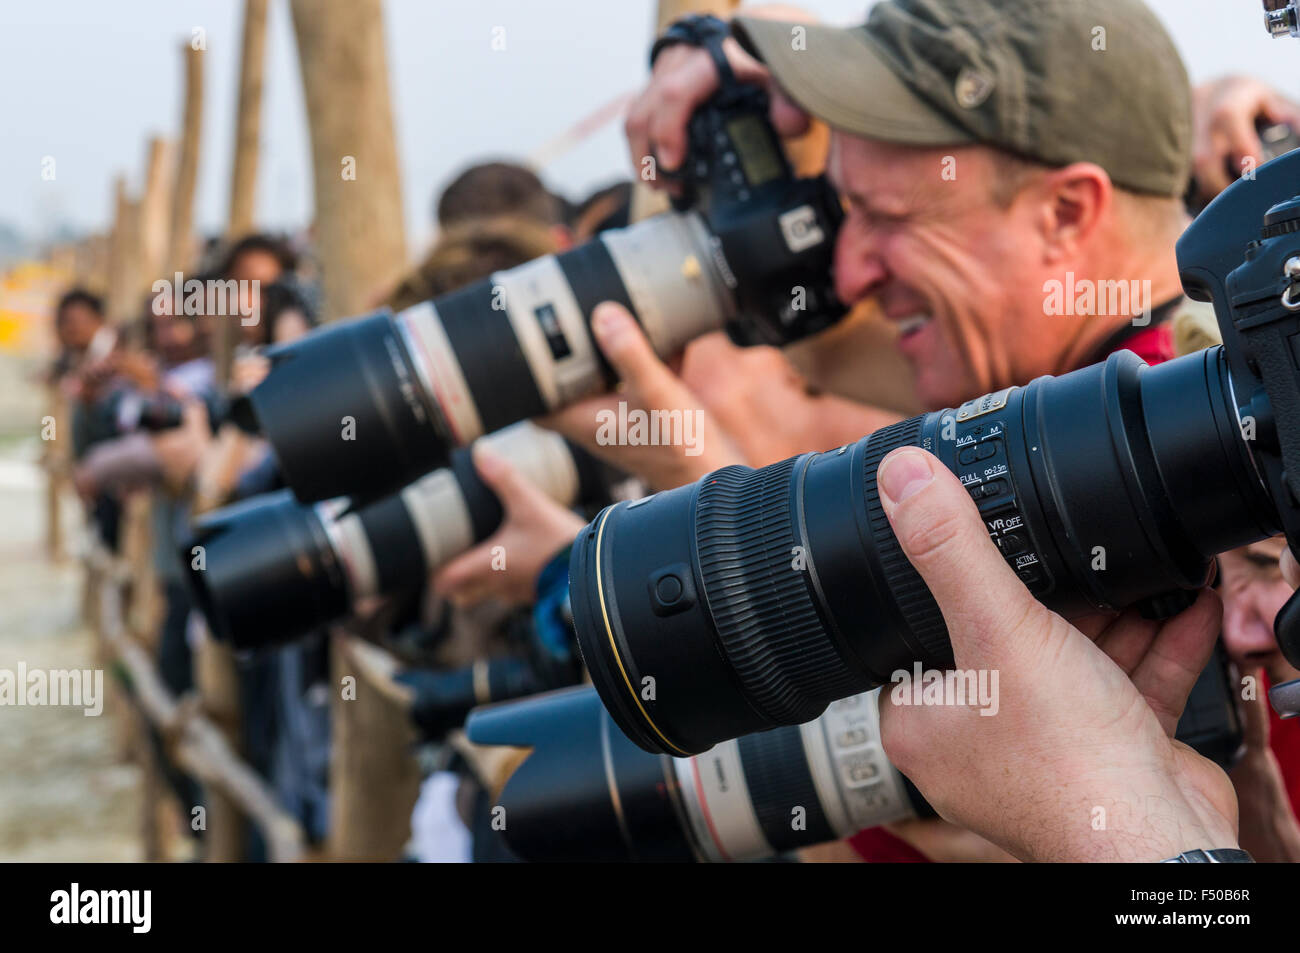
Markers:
(670, 10)
(360, 236)
(243, 177)
(180, 239)
(155, 204)
(123, 257)
(216, 674)
(58, 465)
(217, 680)
(361, 245)
(248, 120)
(374, 778)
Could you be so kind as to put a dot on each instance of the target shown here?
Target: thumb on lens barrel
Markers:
(988, 610)
(626, 347)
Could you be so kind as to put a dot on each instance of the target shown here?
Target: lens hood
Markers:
(263, 571)
(582, 783)
(346, 414)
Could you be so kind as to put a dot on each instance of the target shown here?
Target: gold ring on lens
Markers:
(613, 645)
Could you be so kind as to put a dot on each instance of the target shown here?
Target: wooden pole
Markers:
(91, 267)
(360, 237)
(360, 241)
(154, 214)
(217, 680)
(248, 120)
(122, 257)
(58, 465)
(180, 240)
(216, 676)
(374, 778)
(243, 178)
(670, 10)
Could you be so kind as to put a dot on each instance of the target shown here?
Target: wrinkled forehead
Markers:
(877, 172)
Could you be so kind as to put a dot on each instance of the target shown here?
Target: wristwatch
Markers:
(1221, 855)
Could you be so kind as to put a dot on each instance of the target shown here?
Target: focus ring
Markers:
(759, 600)
(779, 780)
(919, 610)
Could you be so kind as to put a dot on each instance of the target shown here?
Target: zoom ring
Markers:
(779, 781)
(759, 597)
(920, 612)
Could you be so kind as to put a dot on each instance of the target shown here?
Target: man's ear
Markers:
(1073, 203)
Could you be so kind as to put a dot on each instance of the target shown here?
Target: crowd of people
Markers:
(151, 415)
(1064, 163)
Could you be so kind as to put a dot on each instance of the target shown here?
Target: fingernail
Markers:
(486, 462)
(904, 473)
(605, 322)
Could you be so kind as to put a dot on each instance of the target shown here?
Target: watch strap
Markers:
(1220, 855)
(696, 29)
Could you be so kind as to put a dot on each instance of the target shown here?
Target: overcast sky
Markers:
(87, 81)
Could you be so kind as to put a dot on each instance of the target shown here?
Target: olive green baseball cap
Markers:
(1059, 81)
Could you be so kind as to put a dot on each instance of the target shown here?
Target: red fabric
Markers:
(878, 846)
(1155, 345)
(1284, 739)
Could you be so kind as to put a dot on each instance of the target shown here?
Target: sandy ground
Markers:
(63, 794)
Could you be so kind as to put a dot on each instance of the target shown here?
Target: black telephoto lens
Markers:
(756, 597)
(273, 569)
(441, 698)
(585, 793)
(362, 408)
(263, 571)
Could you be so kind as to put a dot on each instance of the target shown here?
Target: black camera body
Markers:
(741, 181)
(1258, 313)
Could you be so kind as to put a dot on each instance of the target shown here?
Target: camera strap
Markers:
(1131, 334)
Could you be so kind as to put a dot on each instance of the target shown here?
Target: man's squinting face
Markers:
(959, 276)
(1253, 591)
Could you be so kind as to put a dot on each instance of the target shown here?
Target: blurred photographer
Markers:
(1267, 777)
(1229, 113)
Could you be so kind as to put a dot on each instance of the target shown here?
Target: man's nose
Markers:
(859, 268)
(1248, 630)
